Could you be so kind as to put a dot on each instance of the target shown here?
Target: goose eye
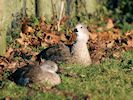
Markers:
(48, 37)
(81, 26)
(52, 66)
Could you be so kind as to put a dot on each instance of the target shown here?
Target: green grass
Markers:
(110, 80)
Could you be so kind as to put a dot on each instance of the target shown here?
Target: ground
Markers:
(110, 77)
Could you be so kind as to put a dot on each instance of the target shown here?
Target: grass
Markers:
(110, 80)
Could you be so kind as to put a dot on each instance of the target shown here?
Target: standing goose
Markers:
(41, 74)
(78, 53)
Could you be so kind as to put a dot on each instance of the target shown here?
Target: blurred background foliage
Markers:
(120, 10)
(90, 12)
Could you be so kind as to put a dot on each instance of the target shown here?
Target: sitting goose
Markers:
(78, 53)
(42, 74)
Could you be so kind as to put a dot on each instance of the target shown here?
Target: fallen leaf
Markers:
(63, 20)
(43, 26)
(117, 54)
(129, 33)
(130, 43)
(63, 37)
(7, 98)
(93, 36)
(43, 19)
(25, 28)
(23, 36)
(1, 70)
(4, 61)
(30, 29)
(34, 41)
(110, 24)
(44, 44)
(52, 39)
(100, 28)
(8, 53)
(0, 40)
(110, 45)
(72, 38)
(20, 41)
(12, 65)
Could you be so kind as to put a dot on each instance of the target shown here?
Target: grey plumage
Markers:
(78, 53)
(41, 74)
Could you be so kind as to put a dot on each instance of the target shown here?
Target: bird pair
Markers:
(46, 72)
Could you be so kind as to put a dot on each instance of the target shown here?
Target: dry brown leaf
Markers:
(34, 41)
(129, 36)
(21, 64)
(25, 28)
(23, 50)
(30, 29)
(63, 37)
(93, 36)
(100, 28)
(105, 36)
(117, 54)
(20, 41)
(110, 45)
(8, 53)
(110, 24)
(49, 27)
(44, 44)
(24, 40)
(0, 40)
(43, 19)
(4, 61)
(116, 36)
(130, 43)
(33, 53)
(23, 36)
(129, 33)
(12, 65)
(63, 20)
(72, 38)
(43, 26)
(1, 70)
(34, 56)
(52, 39)
(7, 98)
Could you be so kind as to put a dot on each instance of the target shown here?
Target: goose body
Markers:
(57, 53)
(41, 74)
(78, 53)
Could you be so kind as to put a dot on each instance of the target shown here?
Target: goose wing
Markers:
(56, 53)
(19, 75)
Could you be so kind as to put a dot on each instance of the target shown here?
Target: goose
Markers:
(78, 53)
(40, 74)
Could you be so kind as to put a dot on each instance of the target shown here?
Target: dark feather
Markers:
(56, 53)
(19, 75)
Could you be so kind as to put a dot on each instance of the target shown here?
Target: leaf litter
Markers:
(107, 43)
(104, 44)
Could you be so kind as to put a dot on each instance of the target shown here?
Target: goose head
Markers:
(49, 66)
(81, 32)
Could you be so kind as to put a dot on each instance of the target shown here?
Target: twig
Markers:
(24, 8)
(68, 7)
(68, 10)
(53, 8)
(61, 12)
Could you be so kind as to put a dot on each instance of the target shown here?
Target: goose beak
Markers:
(75, 30)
